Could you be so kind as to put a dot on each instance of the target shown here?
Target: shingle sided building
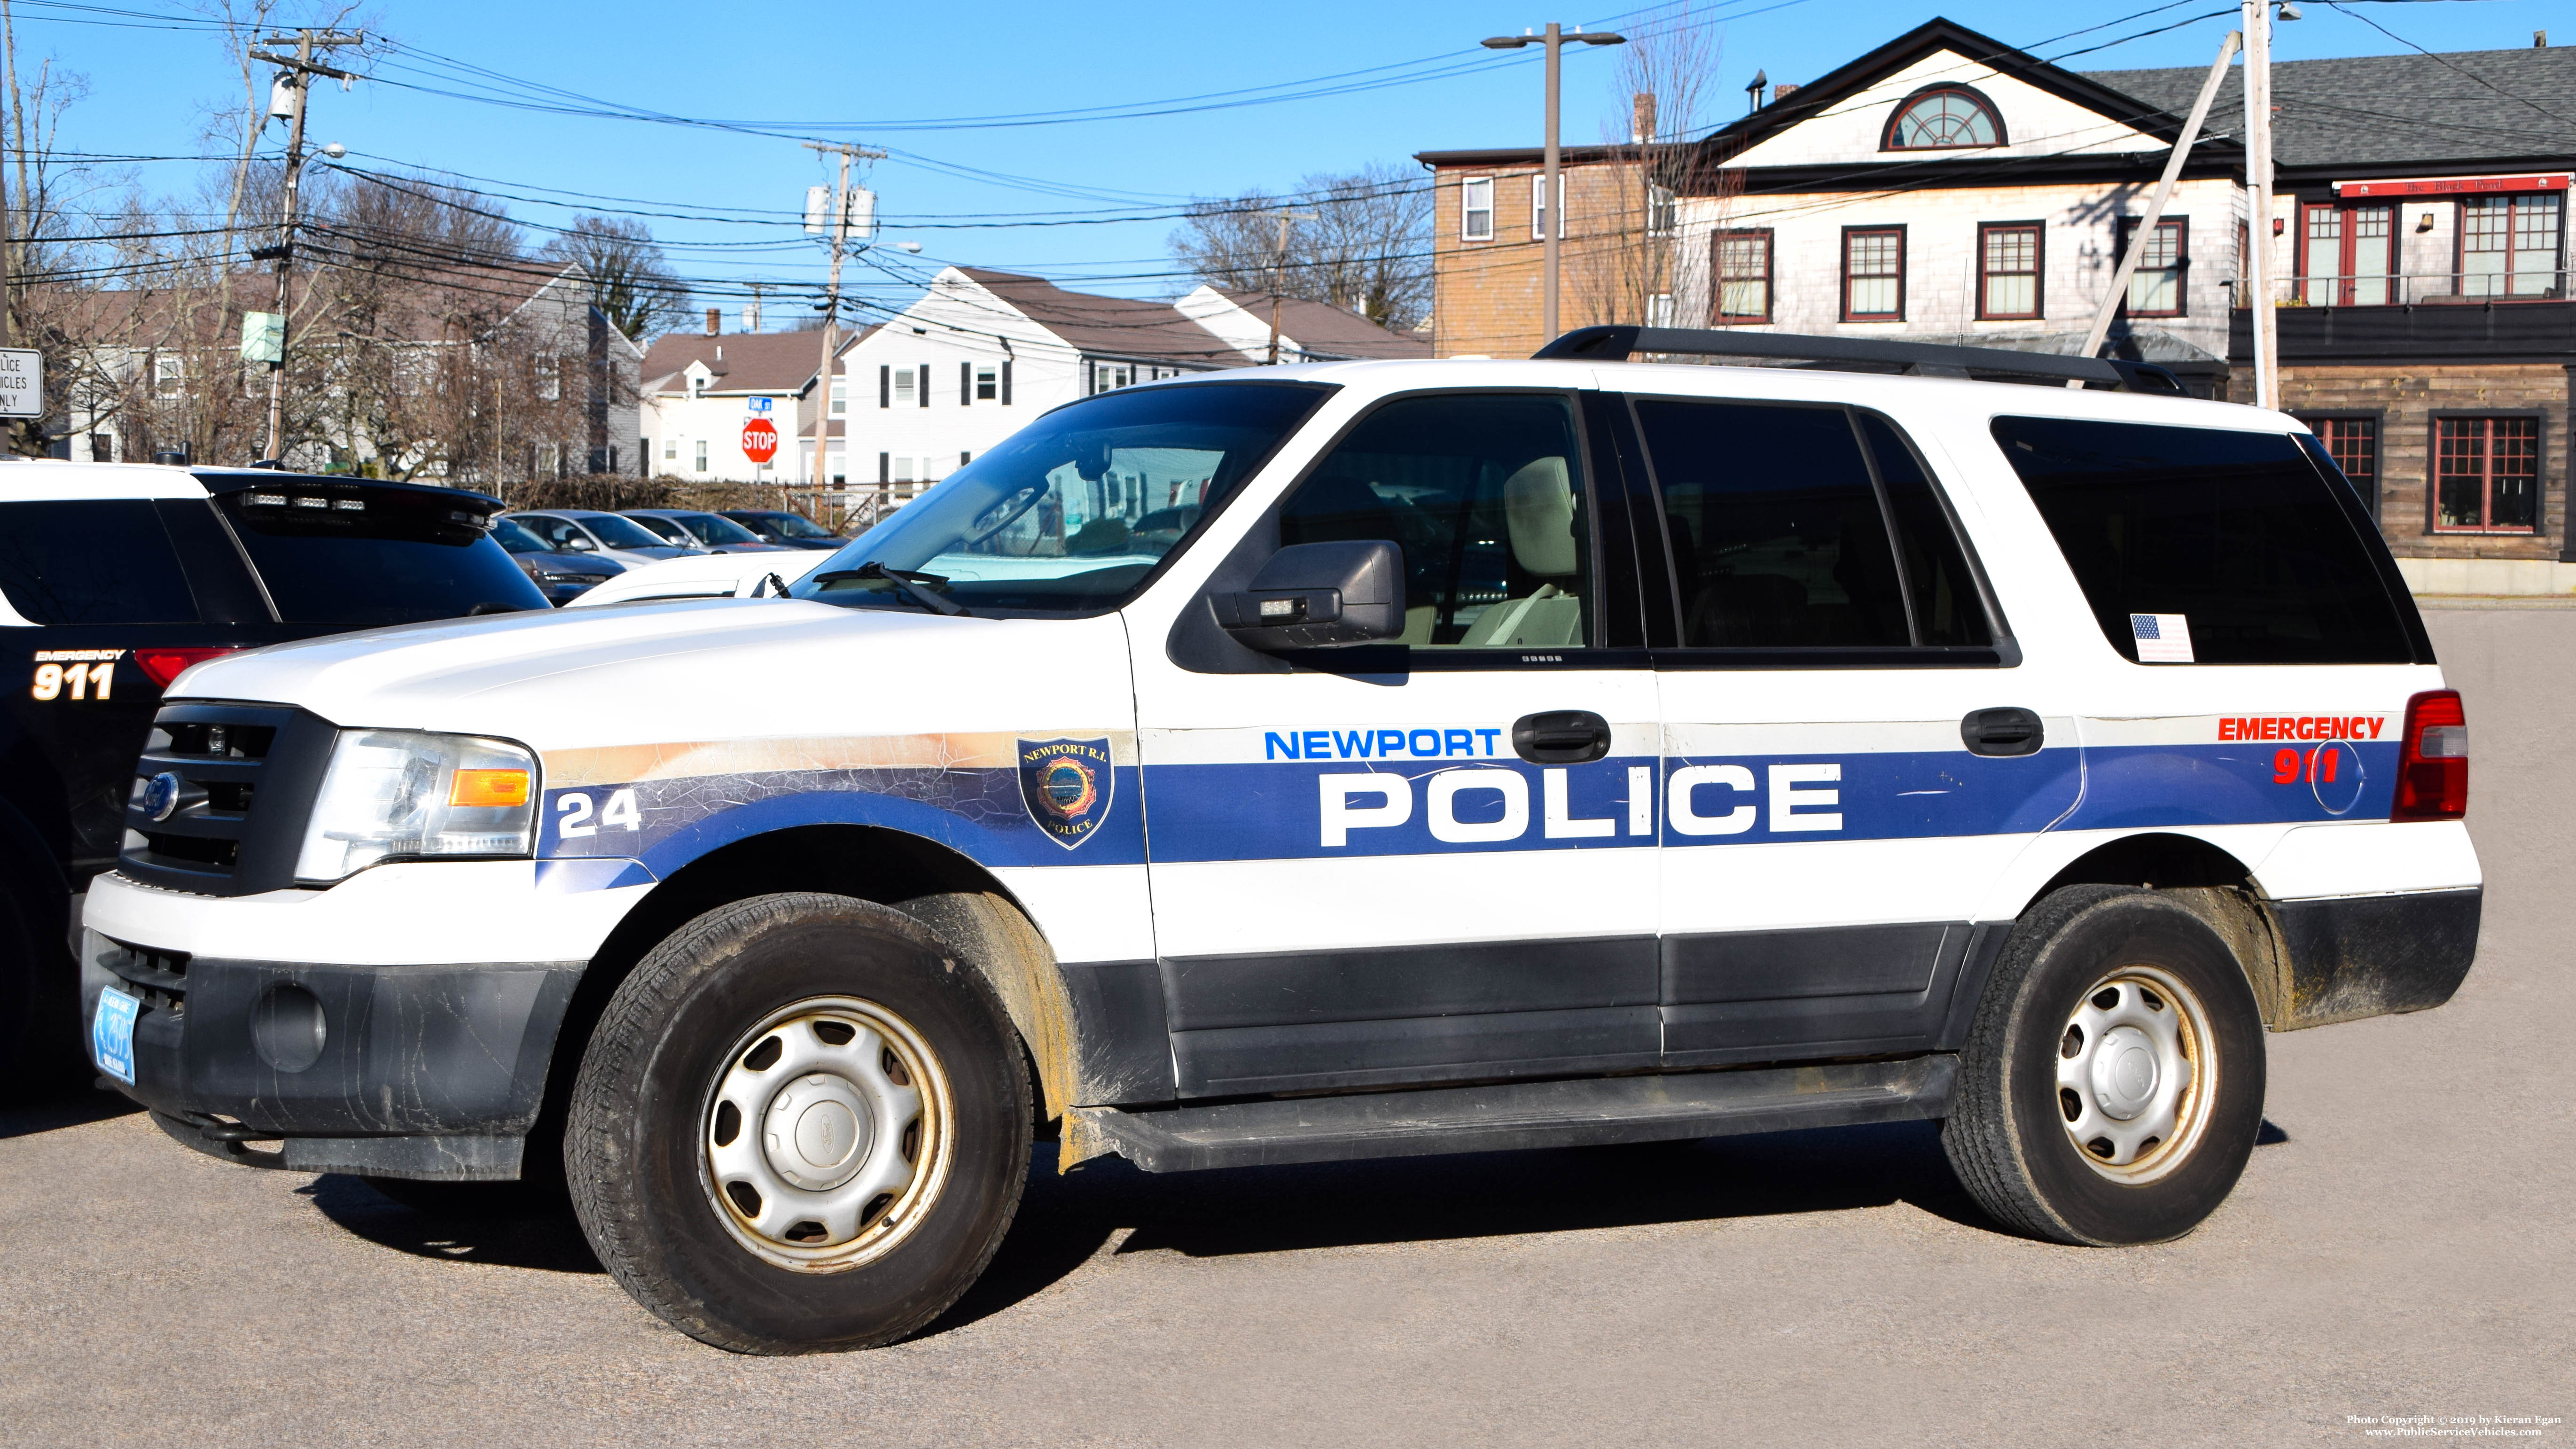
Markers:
(1946, 186)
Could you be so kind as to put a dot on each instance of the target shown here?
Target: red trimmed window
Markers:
(2486, 475)
(1743, 276)
(2156, 288)
(2008, 271)
(2348, 255)
(2354, 445)
(2509, 247)
(1874, 274)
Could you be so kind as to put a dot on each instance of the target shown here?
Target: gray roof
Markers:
(1323, 330)
(1108, 326)
(2379, 111)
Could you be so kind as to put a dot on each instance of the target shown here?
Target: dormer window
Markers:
(1944, 118)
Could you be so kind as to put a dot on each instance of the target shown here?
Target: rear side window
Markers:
(367, 556)
(103, 562)
(1785, 537)
(2237, 532)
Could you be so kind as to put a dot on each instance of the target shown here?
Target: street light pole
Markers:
(1549, 206)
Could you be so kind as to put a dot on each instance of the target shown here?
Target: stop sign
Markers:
(759, 440)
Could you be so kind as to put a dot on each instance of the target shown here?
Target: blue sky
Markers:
(875, 73)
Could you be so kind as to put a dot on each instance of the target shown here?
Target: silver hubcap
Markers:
(826, 1134)
(2134, 1074)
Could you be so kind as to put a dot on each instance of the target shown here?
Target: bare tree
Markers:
(1366, 248)
(630, 281)
(1633, 266)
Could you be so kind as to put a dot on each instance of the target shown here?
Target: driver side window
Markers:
(1485, 496)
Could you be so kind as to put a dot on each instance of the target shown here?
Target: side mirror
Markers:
(579, 544)
(1319, 596)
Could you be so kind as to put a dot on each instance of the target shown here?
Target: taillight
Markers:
(2433, 759)
(164, 665)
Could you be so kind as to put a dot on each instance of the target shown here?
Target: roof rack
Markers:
(1919, 359)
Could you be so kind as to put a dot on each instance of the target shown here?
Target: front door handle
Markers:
(1561, 737)
(2006, 731)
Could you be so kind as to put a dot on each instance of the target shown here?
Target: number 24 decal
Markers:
(572, 814)
(82, 679)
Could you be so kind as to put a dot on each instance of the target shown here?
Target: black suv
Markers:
(113, 578)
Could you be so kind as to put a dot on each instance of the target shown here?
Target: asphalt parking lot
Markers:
(2401, 1245)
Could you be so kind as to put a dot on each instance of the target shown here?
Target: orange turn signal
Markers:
(489, 787)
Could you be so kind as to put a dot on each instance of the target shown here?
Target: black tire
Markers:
(41, 1051)
(2008, 1135)
(636, 1149)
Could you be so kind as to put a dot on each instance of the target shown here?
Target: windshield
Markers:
(791, 525)
(1072, 512)
(712, 530)
(516, 539)
(619, 532)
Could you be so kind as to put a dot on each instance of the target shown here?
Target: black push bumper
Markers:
(397, 1071)
(2357, 956)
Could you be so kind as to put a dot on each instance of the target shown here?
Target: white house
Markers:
(983, 352)
(704, 391)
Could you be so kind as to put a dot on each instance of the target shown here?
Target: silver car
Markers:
(609, 535)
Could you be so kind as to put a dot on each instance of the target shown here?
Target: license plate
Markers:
(111, 1034)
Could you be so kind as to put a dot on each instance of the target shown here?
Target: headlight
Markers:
(403, 794)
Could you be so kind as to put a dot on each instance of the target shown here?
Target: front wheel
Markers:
(802, 1124)
(2112, 1085)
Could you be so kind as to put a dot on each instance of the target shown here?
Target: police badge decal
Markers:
(1066, 785)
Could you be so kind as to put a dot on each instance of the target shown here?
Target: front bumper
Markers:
(404, 1071)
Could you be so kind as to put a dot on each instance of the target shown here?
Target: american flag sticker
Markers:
(2162, 638)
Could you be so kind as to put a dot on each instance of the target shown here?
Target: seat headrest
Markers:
(1538, 508)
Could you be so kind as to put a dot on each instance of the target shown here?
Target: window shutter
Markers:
(885, 386)
(1006, 382)
(885, 469)
(964, 457)
(965, 384)
(922, 387)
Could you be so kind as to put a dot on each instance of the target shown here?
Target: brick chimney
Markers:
(1784, 90)
(715, 322)
(1643, 124)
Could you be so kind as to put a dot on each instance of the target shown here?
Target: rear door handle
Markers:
(1561, 737)
(2006, 731)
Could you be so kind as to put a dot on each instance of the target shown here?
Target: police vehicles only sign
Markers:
(22, 383)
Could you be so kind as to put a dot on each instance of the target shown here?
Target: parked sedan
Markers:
(712, 532)
(609, 535)
(788, 530)
(561, 576)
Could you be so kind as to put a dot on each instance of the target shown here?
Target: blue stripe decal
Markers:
(976, 812)
(2128, 786)
(1318, 809)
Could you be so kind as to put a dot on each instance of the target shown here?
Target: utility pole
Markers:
(1550, 202)
(1278, 268)
(2258, 194)
(298, 70)
(840, 234)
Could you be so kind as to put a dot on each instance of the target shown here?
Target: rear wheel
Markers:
(802, 1123)
(2113, 1082)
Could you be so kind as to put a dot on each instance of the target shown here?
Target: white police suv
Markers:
(1336, 761)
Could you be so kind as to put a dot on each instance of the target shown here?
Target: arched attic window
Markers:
(1944, 118)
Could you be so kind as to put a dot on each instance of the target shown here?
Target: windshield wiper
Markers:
(910, 584)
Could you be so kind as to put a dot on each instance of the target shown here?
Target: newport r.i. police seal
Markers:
(1066, 785)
